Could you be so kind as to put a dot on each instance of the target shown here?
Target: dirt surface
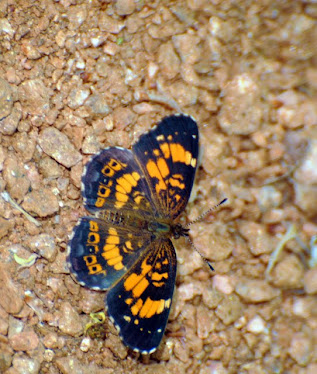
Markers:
(77, 76)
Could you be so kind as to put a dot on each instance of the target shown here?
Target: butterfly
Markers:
(135, 198)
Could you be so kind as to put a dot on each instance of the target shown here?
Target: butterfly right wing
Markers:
(100, 253)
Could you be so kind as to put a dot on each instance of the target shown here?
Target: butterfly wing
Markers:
(168, 156)
(100, 253)
(139, 303)
(114, 181)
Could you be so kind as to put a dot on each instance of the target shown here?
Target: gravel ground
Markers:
(77, 76)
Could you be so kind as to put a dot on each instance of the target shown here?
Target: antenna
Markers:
(199, 219)
(201, 255)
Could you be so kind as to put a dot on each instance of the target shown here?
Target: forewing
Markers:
(168, 157)
(100, 253)
(113, 181)
(140, 302)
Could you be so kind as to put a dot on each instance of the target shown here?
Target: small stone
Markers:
(6, 354)
(223, 284)
(288, 273)
(256, 325)
(24, 341)
(301, 348)
(11, 297)
(51, 340)
(229, 309)
(34, 96)
(77, 97)
(306, 198)
(91, 301)
(6, 99)
(9, 124)
(187, 46)
(41, 203)
(125, 7)
(256, 290)
(49, 168)
(6, 28)
(57, 145)
(69, 320)
(168, 60)
(241, 112)
(206, 322)
(24, 364)
(259, 240)
(77, 14)
(123, 117)
(98, 104)
(109, 24)
(310, 281)
(213, 241)
(44, 245)
(48, 355)
(85, 344)
(15, 175)
(307, 171)
(212, 297)
(5, 226)
(90, 144)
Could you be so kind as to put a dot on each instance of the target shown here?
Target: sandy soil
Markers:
(77, 76)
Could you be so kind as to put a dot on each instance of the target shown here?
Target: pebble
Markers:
(11, 297)
(256, 290)
(307, 171)
(306, 198)
(223, 284)
(77, 97)
(15, 175)
(206, 322)
(6, 354)
(9, 124)
(125, 7)
(24, 364)
(49, 168)
(24, 341)
(44, 245)
(310, 281)
(6, 226)
(256, 325)
(34, 96)
(168, 60)
(301, 348)
(50, 340)
(241, 112)
(41, 203)
(91, 301)
(57, 145)
(288, 273)
(71, 365)
(259, 240)
(229, 309)
(6, 99)
(85, 344)
(109, 24)
(98, 104)
(69, 321)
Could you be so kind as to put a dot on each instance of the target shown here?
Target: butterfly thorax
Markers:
(158, 227)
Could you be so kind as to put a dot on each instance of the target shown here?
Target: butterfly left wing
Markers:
(168, 156)
(139, 303)
(100, 253)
